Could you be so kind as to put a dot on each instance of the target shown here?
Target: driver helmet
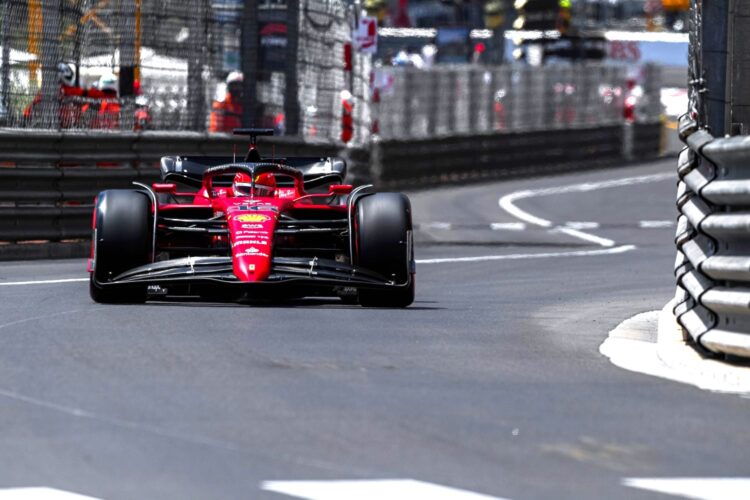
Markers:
(65, 74)
(108, 82)
(265, 185)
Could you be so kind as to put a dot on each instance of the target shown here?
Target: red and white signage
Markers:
(366, 35)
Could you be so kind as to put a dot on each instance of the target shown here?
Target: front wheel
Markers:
(384, 244)
(122, 240)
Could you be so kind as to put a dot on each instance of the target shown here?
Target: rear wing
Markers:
(316, 171)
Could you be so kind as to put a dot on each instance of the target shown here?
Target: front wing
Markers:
(216, 273)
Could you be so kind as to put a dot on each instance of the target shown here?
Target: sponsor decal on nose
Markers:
(252, 218)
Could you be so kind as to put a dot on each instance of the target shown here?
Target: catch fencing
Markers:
(170, 60)
(713, 240)
(445, 101)
(154, 54)
(48, 180)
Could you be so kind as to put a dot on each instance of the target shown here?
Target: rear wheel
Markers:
(122, 240)
(384, 245)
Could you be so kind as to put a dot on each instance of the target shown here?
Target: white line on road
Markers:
(508, 201)
(438, 225)
(44, 282)
(507, 226)
(481, 258)
(377, 489)
(655, 224)
(605, 242)
(582, 225)
(698, 488)
(40, 494)
(522, 256)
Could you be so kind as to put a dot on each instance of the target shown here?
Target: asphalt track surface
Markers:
(491, 383)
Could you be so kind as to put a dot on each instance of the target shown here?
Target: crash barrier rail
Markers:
(713, 240)
(48, 180)
(446, 101)
(432, 161)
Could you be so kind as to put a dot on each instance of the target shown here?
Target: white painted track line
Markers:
(481, 258)
(445, 226)
(605, 242)
(44, 282)
(699, 488)
(523, 256)
(507, 226)
(582, 225)
(508, 202)
(40, 494)
(378, 489)
(655, 224)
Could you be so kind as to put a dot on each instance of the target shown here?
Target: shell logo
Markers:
(252, 218)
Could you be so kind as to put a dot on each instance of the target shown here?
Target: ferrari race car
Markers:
(254, 229)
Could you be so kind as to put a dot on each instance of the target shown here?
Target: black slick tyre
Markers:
(384, 245)
(122, 240)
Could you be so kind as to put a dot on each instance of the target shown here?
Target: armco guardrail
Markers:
(431, 161)
(48, 180)
(713, 240)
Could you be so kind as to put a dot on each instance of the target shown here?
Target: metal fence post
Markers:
(291, 90)
(249, 56)
(739, 66)
(126, 31)
(196, 63)
(5, 69)
(714, 63)
(50, 92)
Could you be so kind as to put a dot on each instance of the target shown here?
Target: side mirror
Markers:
(340, 189)
(164, 188)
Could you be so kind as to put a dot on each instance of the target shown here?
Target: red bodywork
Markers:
(252, 220)
(291, 230)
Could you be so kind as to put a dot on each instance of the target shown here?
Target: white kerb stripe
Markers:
(44, 282)
(706, 488)
(378, 489)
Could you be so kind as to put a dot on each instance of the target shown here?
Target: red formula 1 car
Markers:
(256, 229)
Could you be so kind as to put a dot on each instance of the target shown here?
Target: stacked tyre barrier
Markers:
(713, 240)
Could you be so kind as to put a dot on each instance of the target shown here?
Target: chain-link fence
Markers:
(176, 65)
(107, 64)
(323, 72)
(462, 100)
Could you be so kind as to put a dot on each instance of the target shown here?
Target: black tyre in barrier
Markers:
(383, 244)
(123, 240)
